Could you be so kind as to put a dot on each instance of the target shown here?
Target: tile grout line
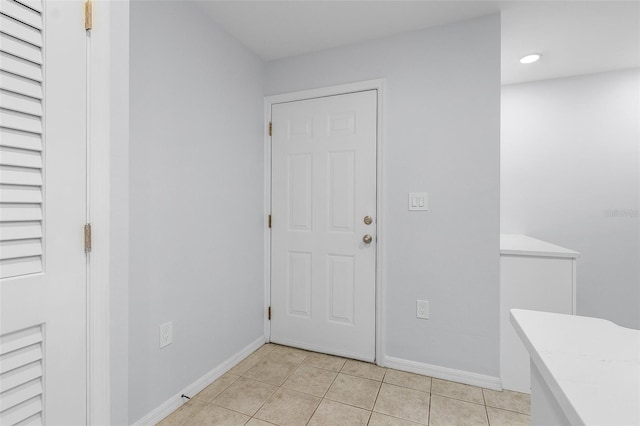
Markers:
(377, 395)
(278, 387)
(502, 408)
(429, 410)
(187, 419)
(430, 401)
(259, 358)
(511, 411)
(486, 411)
(236, 411)
(345, 403)
(456, 399)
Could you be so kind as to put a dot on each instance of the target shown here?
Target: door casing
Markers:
(102, 100)
(342, 89)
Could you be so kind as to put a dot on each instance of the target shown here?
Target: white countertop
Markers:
(592, 366)
(523, 245)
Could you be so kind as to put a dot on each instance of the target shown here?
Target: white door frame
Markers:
(380, 278)
(100, 102)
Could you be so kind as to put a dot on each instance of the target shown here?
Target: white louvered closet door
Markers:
(43, 178)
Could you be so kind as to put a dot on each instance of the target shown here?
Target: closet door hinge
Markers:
(270, 128)
(88, 12)
(87, 238)
(269, 313)
(269, 221)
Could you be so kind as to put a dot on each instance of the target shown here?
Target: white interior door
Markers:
(42, 213)
(323, 187)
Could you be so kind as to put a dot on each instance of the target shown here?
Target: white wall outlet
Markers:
(166, 334)
(422, 309)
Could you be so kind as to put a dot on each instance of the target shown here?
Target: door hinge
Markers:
(87, 238)
(270, 128)
(269, 221)
(88, 11)
(269, 313)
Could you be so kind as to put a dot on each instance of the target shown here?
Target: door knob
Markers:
(367, 239)
(368, 220)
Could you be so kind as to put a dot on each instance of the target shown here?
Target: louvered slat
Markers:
(20, 67)
(19, 103)
(20, 194)
(23, 140)
(21, 231)
(22, 412)
(20, 176)
(13, 341)
(20, 158)
(20, 85)
(23, 355)
(19, 394)
(20, 49)
(20, 31)
(18, 376)
(21, 376)
(20, 212)
(32, 4)
(17, 121)
(17, 267)
(21, 13)
(15, 249)
(35, 420)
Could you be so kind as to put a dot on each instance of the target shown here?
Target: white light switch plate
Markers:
(418, 201)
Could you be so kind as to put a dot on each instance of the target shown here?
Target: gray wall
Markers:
(196, 199)
(570, 175)
(119, 214)
(442, 136)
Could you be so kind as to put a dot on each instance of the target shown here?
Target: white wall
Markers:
(442, 136)
(196, 199)
(570, 175)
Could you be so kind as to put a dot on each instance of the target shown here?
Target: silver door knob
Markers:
(368, 220)
(367, 239)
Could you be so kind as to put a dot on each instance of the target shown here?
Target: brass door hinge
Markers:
(269, 313)
(270, 128)
(87, 238)
(269, 221)
(88, 11)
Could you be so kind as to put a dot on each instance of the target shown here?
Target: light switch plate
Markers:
(418, 201)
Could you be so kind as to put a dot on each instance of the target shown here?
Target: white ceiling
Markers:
(574, 37)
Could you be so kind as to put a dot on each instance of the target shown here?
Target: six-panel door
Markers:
(323, 249)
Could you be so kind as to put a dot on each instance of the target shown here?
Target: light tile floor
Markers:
(278, 385)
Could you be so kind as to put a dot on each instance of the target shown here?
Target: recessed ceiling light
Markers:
(529, 59)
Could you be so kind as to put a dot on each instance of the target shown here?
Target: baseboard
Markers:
(173, 403)
(443, 373)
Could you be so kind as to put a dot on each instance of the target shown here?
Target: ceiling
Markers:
(574, 37)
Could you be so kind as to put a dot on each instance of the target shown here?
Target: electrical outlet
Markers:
(422, 309)
(166, 334)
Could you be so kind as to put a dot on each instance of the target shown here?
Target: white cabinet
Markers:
(534, 275)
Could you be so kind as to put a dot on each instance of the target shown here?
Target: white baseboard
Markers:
(173, 403)
(443, 373)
